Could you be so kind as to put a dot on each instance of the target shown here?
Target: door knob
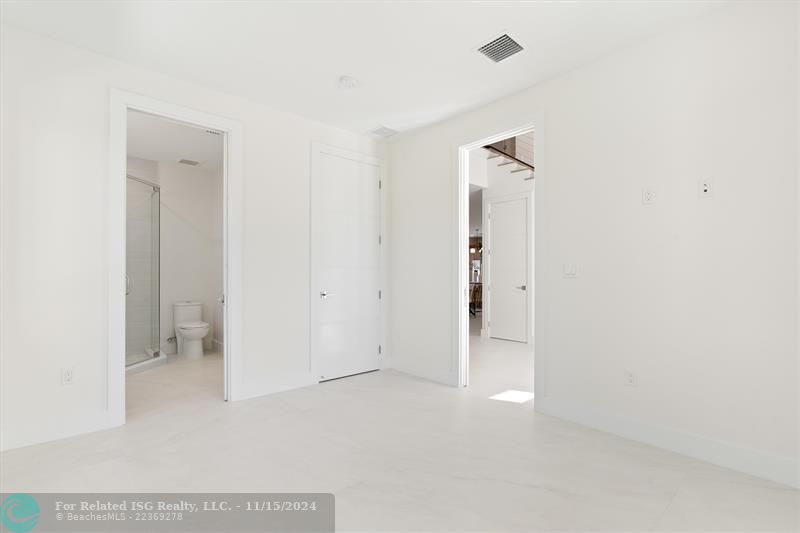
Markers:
(523, 287)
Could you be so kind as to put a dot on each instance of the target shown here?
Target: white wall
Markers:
(501, 181)
(53, 180)
(698, 297)
(191, 244)
(478, 167)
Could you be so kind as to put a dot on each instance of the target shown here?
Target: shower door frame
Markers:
(155, 318)
(233, 202)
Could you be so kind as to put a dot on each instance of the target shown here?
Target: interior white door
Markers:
(345, 263)
(508, 269)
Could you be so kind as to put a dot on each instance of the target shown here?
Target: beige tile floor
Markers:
(401, 454)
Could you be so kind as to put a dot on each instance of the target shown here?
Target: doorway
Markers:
(159, 307)
(496, 245)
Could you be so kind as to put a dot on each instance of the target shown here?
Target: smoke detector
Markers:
(348, 82)
(384, 132)
(189, 162)
(501, 48)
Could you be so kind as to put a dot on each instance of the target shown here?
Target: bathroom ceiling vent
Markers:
(501, 48)
(189, 162)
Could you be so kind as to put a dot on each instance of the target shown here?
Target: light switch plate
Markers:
(570, 270)
(648, 196)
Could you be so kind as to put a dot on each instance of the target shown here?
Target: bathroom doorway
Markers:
(174, 258)
(176, 175)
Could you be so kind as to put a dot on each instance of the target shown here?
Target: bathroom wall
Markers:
(191, 242)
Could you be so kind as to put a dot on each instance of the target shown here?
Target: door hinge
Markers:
(380, 239)
(380, 184)
(380, 349)
(380, 294)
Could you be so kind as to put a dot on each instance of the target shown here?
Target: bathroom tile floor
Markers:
(401, 453)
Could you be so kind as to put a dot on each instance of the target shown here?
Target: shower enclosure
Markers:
(142, 276)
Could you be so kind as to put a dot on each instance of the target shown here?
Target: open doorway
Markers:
(497, 244)
(174, 312)
(175, 249)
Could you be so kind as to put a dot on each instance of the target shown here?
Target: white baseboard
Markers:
(780, 469)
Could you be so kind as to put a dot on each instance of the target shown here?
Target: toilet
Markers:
(189, 328)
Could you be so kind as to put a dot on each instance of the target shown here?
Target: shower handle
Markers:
(127, 285)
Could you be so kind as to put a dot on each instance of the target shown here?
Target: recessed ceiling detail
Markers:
(501, 48)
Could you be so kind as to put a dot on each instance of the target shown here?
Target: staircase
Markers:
(516, 153)
(515, 165)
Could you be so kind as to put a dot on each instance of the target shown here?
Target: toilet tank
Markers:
(187, 312)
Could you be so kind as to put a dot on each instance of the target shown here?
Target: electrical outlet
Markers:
(705, 189)
(66, 376)
(629, 378)
(648, 196)
(570, 270)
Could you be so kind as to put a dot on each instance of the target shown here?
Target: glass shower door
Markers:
(142, 262)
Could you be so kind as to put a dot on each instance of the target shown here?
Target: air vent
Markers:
(189, 162)
(212, 132)
(384, 132)
(501, 48)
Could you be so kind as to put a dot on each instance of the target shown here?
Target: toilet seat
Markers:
(192, 325)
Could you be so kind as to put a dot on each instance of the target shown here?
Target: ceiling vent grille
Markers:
(501, 48)
(189, 162)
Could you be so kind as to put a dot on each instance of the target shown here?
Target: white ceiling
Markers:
(160, 139)
(416, 61)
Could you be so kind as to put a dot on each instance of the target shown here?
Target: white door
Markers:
(508, 269)
(345, 263)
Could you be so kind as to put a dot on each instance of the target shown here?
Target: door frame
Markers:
(461, 280)
(527, 196)
(317, 150)
(121, 102)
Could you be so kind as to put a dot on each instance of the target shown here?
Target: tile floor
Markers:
(401, 454)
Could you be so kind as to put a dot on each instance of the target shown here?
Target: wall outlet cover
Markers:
(648, 196)
(570, 270)
(705, 188)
